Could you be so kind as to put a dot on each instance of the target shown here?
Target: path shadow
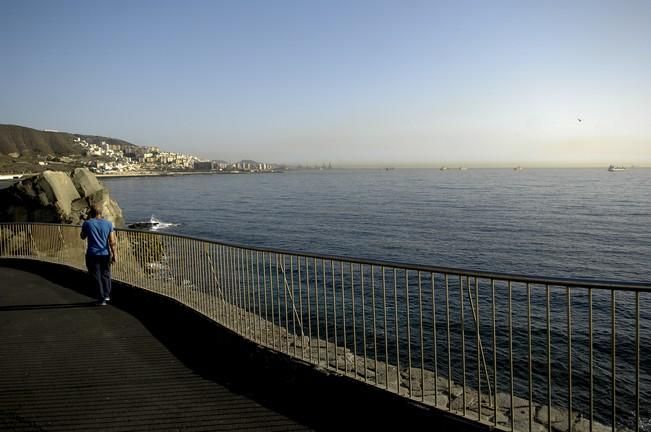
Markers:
(296, 389)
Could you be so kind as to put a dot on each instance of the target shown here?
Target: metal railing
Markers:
(516, 352)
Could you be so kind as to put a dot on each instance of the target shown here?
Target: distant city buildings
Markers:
(106, 158)
(110, 158)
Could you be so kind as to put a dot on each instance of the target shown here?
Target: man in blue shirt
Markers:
(100, 253)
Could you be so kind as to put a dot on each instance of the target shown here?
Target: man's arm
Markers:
(113, 244)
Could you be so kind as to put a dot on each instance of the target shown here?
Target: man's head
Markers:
(95, 211)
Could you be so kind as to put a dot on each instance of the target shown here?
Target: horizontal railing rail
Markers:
(516, 352)
(514, 277)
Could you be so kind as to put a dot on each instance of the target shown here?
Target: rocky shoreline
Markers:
(419, 384)
(57, 197)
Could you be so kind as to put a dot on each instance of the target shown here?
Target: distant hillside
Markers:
(19, 139)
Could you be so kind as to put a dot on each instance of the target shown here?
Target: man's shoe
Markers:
(107, 299)
(101, 303)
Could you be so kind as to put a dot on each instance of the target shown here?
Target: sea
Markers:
(579, 223)
(569, 223)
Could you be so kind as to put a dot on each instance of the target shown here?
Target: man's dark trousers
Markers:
(99, 267)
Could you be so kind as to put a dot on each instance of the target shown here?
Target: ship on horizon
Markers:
(613, 168)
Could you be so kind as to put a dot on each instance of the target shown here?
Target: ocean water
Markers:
(577, 223)
(585, 223)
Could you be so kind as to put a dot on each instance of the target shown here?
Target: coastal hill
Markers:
(21, 140)
(27, 150)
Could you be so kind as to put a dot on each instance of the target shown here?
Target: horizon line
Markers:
(456, 166)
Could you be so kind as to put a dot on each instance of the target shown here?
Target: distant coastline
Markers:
(10, 177)
(180, 173)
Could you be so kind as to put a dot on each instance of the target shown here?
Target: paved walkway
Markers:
(68, 365)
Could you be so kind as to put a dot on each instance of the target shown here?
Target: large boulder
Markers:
(57, 197)
(85, 181)
(59, 190)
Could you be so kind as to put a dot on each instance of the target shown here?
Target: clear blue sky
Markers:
(404, 82)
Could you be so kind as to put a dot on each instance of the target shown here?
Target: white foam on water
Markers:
(163, 225)
(159, 225)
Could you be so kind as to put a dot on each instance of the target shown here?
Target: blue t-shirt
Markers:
(97, 232)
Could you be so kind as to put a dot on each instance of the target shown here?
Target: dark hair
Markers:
(95, 210)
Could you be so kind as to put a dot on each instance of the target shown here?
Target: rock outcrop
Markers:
(57, 197)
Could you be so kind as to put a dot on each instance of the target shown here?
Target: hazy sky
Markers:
(411, 82)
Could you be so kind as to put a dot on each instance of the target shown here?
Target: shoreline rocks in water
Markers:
(57, 197)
